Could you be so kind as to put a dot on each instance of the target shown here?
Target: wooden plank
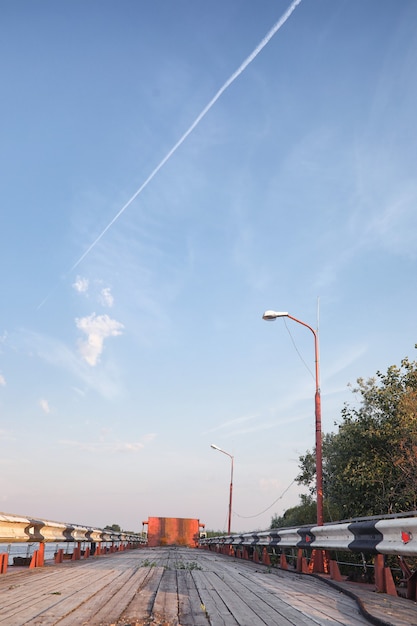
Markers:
(302, 597)
(239, 603)
(46, 593)
(141, 604)
(282, 605)
(190, 606)
(110, 600)
(280, 593)
(395, 610)
(116, 604)
(182, 586)
(136, 603)
(213, 604)
(268, 608)
(165, 607)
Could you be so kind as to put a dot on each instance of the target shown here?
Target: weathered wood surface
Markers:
(182, 587)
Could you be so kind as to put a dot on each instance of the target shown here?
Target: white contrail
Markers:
(198, 119)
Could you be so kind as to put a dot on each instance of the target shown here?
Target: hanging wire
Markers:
(267, 509)
(289, 486)
(296, 349)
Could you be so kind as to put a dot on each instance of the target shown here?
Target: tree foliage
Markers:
(370, 463)
(115, 527)
(303, 513)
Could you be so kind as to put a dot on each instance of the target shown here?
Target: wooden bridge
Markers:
(172, 586)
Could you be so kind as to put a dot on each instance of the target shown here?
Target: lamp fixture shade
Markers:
(270, 316)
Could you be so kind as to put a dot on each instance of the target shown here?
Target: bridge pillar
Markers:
(38, 558)
(302, 566)
(59, 556)
(410, 579)
(384, 582)
(4, 560)
(319, 562)
(76, 555)
(265, 557)
(335, 571)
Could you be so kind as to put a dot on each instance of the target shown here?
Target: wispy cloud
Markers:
(2, 381)
(6, 436)
(349, 356)
(230, 424)
(269, 484)
(104, 380)
(81, 284)
(394, 226)
(286, 15)
(106, 297)
(110, 447)
(246, 258)
(44, 404)
(241, 426)
(97, 328)
(93, 289)
(252, 429)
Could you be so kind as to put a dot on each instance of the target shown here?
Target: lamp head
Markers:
(271, 316)
(215, 447)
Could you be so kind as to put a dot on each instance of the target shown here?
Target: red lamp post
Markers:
(271, 316)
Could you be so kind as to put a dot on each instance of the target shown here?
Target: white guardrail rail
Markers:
(391, 535)
(18, 529)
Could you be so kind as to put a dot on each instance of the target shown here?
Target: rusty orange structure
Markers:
(173, 531)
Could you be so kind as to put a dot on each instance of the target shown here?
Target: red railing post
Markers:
(4, 560)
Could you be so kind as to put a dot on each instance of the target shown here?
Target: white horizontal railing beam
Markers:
(382, 536)
(18, 529)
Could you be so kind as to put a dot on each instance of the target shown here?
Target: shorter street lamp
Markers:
(229, 524)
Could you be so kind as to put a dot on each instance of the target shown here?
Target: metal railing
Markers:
(372, 535)
(17, 529)
(35, 534)
(313, 548)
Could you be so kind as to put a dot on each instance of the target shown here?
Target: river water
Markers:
(26, 550)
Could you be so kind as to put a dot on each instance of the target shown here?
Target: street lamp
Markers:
(271, 316)
(231, 485)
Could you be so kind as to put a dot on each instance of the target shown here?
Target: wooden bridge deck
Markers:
(182, 587)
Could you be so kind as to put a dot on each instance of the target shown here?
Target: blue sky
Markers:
(129, 345)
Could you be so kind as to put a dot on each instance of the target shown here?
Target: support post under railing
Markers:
(4, 560)
(38, 558)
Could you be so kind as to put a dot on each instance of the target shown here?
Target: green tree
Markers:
(370, 463)
(215, 533)
(114, 527)
(303, 513)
